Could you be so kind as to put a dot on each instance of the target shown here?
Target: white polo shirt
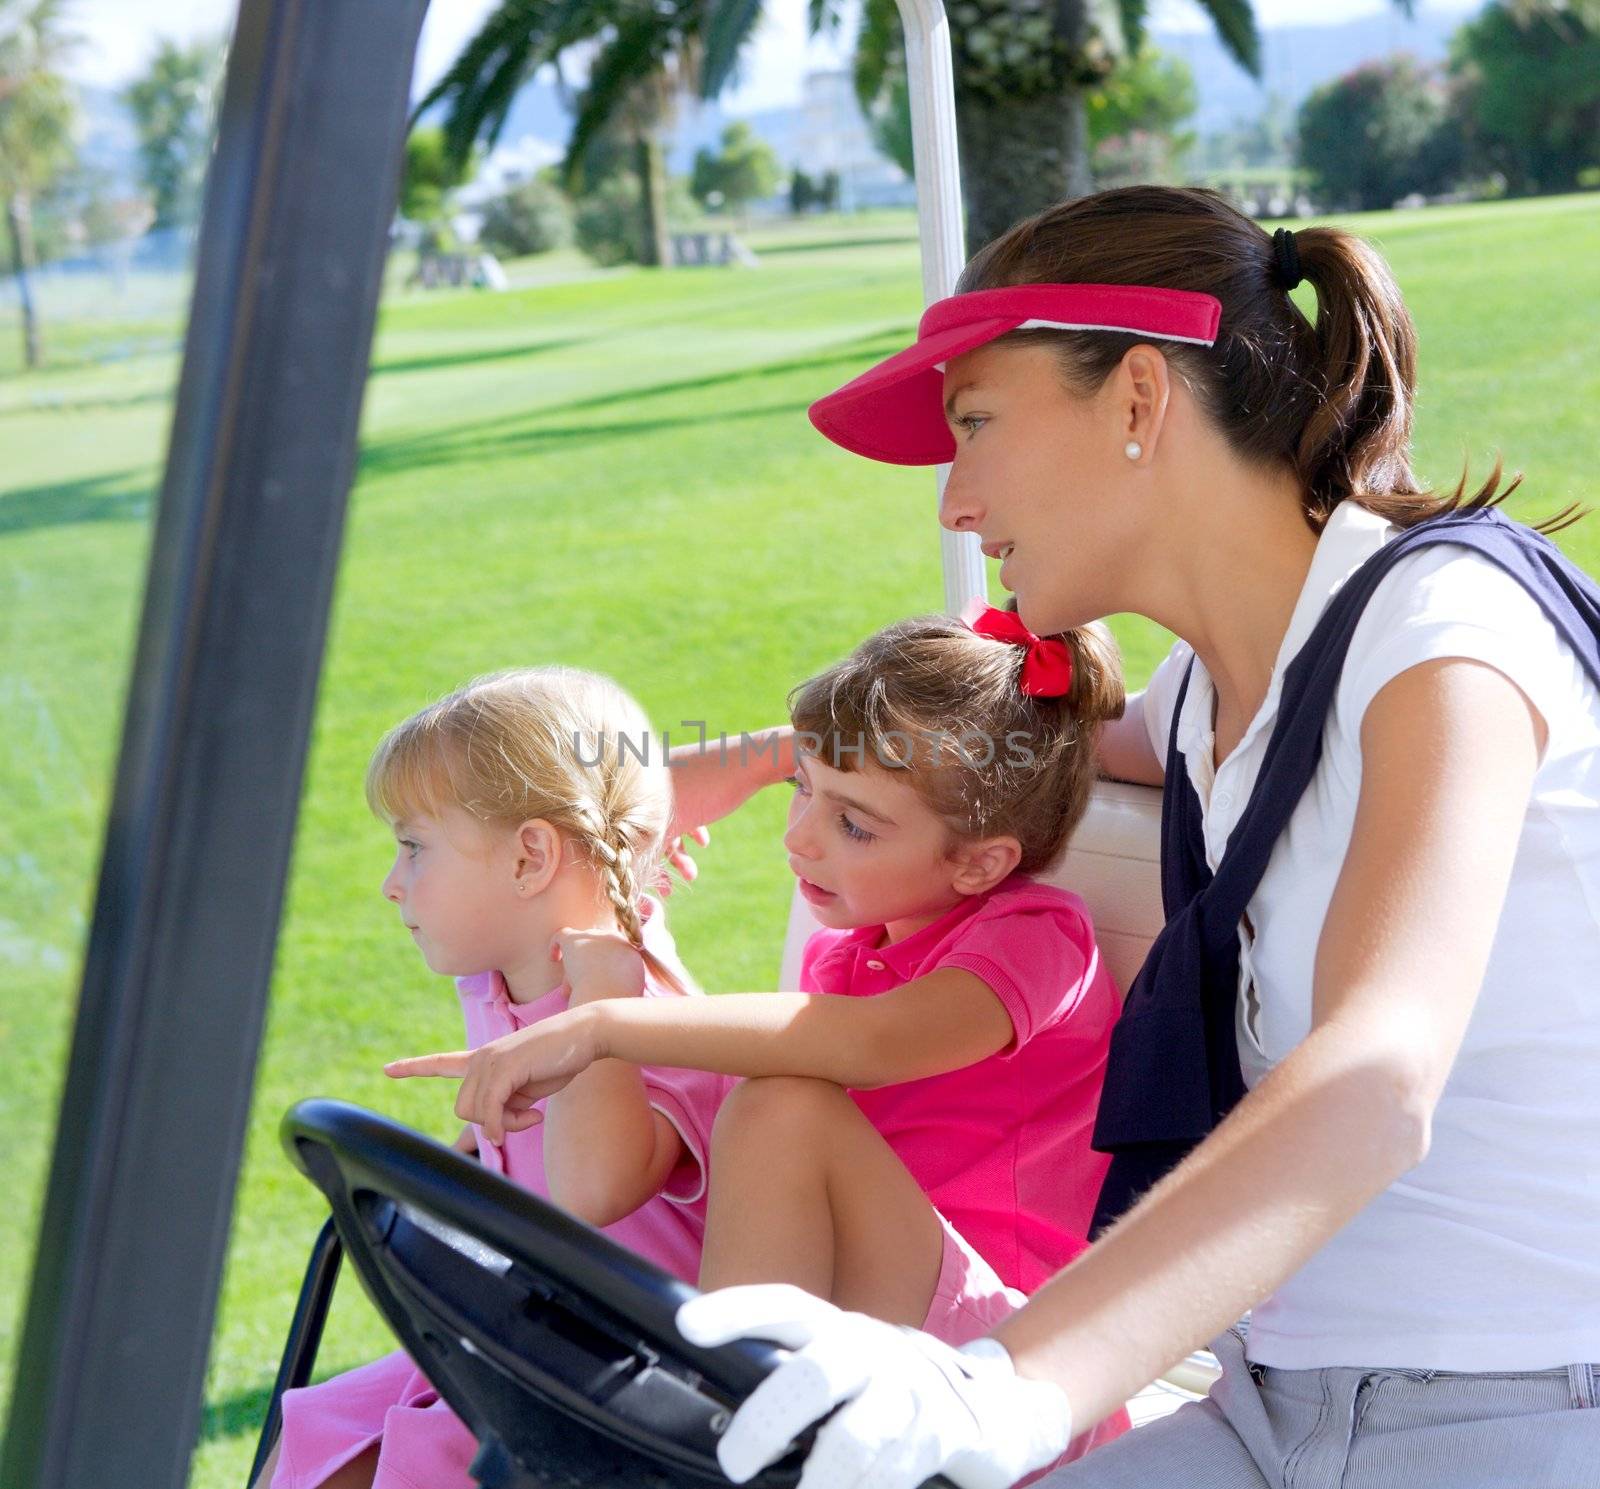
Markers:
(1486, 1256)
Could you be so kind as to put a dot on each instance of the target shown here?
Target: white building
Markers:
(835, 136)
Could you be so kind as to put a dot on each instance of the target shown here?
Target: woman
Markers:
(1406, 1199)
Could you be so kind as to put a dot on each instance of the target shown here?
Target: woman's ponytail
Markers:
(1358, 436)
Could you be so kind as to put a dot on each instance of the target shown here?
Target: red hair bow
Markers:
(1047, 668)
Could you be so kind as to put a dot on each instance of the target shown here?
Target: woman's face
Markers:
(1042, 477)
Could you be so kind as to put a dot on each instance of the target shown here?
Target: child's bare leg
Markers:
(269, 1468)
(805, 1190)
(356, 1474)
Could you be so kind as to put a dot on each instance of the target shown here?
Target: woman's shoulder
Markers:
(1445, 600)
(1161, 695)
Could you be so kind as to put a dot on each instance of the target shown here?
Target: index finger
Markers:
(452, 1064)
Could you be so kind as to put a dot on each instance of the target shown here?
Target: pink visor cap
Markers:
(895, 411)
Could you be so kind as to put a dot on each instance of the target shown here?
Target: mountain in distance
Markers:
(1295, 60)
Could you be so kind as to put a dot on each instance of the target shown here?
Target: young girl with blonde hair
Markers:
(522, 803)
(912, 1135)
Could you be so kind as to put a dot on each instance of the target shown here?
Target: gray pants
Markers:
(1352, 1428)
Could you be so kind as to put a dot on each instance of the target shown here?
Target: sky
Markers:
(122, 33)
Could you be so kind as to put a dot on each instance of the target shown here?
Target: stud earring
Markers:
(1133, 449)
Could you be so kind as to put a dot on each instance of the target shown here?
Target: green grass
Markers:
(612, 470)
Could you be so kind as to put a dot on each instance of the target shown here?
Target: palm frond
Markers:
(1133, 13)
(729, 26)
(879, 45)
(635, 52)
(511, 45)
(1235, 21)
(508, 28)
(480, 83)
(824, 16)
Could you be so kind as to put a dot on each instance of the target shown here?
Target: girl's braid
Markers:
(615, 859)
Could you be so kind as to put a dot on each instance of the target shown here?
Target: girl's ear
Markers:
(982, 864)
(538, 856)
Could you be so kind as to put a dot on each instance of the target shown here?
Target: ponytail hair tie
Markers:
(1047, 667)
(1286, 252)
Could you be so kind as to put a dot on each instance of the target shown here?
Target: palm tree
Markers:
(37, 113)
(1023, 71)
(650, 51)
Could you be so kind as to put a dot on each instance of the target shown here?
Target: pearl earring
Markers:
(1133, 449)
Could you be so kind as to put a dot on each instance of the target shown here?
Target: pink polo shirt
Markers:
(670, 1227)
(1000, 1147)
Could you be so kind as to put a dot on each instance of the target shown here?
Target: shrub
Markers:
(609, 224)
(1368, 138)
(533, 217)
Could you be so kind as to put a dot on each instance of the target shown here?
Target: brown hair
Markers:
(556, 743)
(1332, 400)
(916, 695)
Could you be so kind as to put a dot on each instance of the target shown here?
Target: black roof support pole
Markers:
(299, 201)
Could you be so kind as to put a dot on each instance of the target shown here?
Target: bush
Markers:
(1374, 135)
(1530, 90)
(742, 171)
(533, 217)
(608, 224)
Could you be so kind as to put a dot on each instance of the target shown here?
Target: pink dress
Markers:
(423, 1444)
(1001, 1147)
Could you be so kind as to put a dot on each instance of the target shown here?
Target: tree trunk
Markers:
(649, 162)
(19, 218)
(1019, 156)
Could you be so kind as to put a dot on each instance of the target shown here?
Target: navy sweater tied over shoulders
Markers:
(1173, 1069)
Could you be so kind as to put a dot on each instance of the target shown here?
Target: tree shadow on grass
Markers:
(509, 433)
(235, 1415)
(387, 365)
(450, 446)
(245, 1410)
(827, 244)
(123, 496)
(45, 404)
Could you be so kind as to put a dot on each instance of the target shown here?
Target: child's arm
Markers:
(709, 781)
(944, 1021)
(1123, 749)
(606, 1149)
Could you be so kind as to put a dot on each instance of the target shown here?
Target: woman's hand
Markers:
(502, 1081)
(600, 964)
(467, 1141)
(916, 1407)
(677, 856)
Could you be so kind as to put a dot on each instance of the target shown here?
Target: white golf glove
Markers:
(914, 1406)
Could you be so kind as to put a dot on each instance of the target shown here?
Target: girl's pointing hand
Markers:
(501, 1082)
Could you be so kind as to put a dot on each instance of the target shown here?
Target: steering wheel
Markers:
(555, 1345)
